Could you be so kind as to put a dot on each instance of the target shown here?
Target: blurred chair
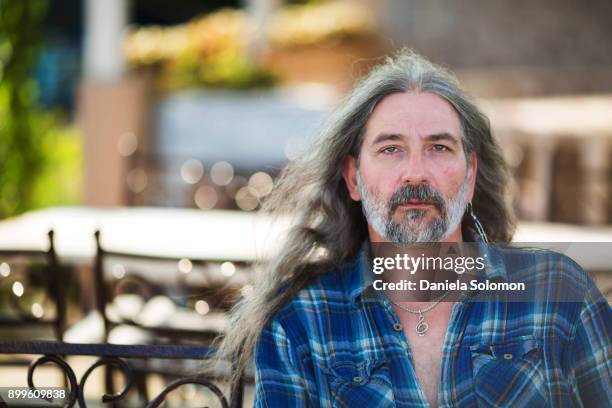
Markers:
(145, 299)
(32, 296)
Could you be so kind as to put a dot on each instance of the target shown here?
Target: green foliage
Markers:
(300, 2)
(60, 179)
(229, 70)
(30, 142)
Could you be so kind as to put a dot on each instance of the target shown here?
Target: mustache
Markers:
(419, 192)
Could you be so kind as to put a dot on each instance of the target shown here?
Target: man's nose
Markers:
(414, 170)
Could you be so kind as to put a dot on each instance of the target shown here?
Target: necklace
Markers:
(422, 326)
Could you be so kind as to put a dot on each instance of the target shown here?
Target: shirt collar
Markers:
(360, 275)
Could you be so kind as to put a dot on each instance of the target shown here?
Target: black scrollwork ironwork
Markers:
(113, 355)
(157, 401)
(65, 367)
(115, 362)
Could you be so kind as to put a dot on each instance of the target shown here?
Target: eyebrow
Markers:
(385, 137)
(442, 136)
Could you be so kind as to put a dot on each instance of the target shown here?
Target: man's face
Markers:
(413, 177)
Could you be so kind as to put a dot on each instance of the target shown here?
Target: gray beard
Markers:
(414, 227)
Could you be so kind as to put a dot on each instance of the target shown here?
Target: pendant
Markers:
(421, 326)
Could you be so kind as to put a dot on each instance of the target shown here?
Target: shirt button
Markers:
(357, 379)
(397, 327)
(508, 356)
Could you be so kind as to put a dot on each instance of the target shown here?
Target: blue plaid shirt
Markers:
(334, 346)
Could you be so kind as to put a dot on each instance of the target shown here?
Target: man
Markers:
(409, 159)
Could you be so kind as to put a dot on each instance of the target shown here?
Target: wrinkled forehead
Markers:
(413, 114)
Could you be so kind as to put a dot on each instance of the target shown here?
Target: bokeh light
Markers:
(228, 269)
(185, 265)
(37, 310)
(222, 173)
(5, 269)
(118, 271)
(137, 180)
(127, 144)
(202, 307)
(192, 171)
(206, 197)
(18, 288)
(260, 184)
(245, 200)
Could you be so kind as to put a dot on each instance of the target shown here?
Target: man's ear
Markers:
(474, 170)
(349, 173)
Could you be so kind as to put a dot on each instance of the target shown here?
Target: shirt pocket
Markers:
(361, 384)
(509, 374)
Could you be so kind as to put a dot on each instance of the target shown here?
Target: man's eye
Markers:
(390, 150)
(440, 148)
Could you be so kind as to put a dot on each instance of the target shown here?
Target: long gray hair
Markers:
(328, 223)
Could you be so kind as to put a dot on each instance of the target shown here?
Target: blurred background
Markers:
(198, 104)
(163, 124)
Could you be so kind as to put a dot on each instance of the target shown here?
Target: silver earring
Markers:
(477, 224)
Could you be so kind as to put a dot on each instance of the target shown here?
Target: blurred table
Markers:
(166, 232)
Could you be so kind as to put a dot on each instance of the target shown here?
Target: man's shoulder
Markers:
(545, 268)
(520, 258)
(327, 289)
(324, 298)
